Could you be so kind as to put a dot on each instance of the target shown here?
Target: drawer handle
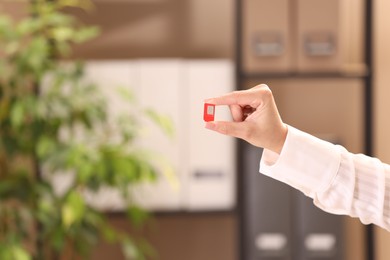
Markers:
(319, 44)
(268, 44)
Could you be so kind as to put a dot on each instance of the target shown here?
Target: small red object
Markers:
(208, 112)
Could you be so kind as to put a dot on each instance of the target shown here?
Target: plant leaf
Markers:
(85, 34)
(13, 251)
(63, 33)
(45, 146)
(84, 4)
(129, 249)
(137, 215)
(164, 122)
(126, 94)
(73, 210)
(17, 114)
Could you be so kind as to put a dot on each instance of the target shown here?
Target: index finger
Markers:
(242, 97)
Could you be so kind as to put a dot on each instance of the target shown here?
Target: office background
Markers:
(328, 102)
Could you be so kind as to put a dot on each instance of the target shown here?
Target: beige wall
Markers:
(153, 28)
(169, 28)
(382, 104)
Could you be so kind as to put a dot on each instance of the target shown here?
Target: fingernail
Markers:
(209, 100)
(210, 125)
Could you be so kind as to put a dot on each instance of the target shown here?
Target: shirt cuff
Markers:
(306, 163)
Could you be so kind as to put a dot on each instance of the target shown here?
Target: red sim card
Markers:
(208, 112)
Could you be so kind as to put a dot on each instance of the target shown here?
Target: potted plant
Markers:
(63, 127)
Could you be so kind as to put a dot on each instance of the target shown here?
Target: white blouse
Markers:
(338, 181)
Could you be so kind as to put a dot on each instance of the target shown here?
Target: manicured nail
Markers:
(209, 100)
(210, 125)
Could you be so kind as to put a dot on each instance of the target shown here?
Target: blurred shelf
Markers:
(182, 213)
(245, 76)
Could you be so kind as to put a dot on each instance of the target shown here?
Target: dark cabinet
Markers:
(279, 222)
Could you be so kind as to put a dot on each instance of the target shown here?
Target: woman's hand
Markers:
(255, 118)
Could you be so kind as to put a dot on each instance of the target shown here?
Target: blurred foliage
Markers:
(51, 118)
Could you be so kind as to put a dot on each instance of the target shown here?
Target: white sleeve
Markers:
(338, 181)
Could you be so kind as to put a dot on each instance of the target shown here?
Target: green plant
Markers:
(62, 127)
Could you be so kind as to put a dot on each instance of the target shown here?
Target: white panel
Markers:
(156, 85)
(109, 76)
(159, 88)
(211, 165)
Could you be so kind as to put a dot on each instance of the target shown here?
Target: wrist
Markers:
(280, 139)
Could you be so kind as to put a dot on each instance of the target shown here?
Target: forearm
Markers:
(305, 163)
(360, 189)
(338, 181)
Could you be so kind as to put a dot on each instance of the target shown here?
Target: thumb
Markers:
(235, 129)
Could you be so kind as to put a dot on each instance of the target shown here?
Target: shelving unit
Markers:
(366, 112)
